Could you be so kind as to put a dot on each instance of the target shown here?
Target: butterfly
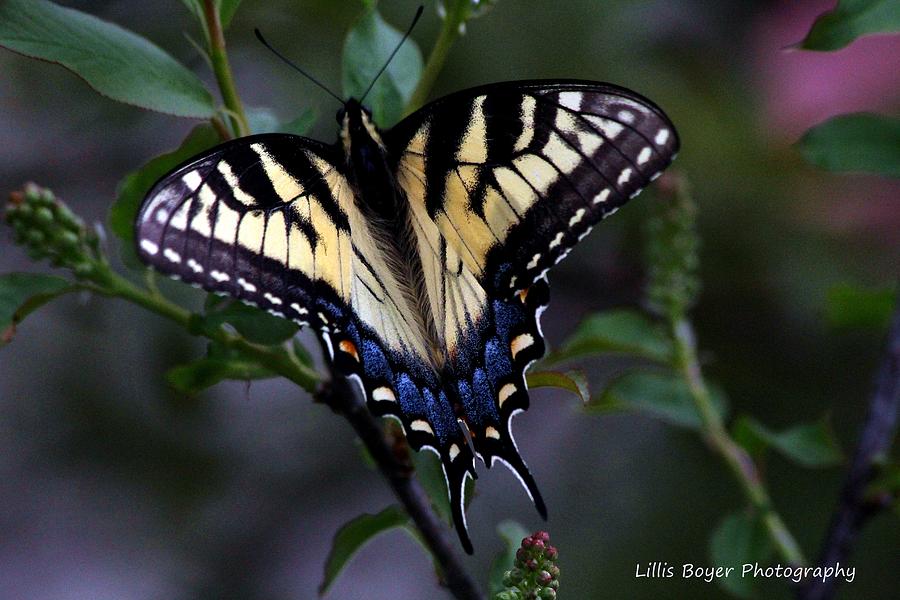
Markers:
(418, 254)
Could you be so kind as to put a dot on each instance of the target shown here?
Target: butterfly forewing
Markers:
(516, 173)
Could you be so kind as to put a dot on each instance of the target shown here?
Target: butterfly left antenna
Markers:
(287, 61)
(397, 48)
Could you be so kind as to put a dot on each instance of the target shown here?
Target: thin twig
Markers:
(735, 457)
(855, 508)
(673, 283)
(221, 128)
(109, 283)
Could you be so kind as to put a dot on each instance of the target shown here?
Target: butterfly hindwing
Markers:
(502, 182)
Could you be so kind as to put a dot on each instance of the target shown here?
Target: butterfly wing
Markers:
(273, 221)
(502, 182)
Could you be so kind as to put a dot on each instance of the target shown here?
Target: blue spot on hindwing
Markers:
(440, 415)
(409, 396)
(333, 311)
(497, 359)
(375, 362)
(506, 316)
(500, 274)
(465, 394)
(485, 405)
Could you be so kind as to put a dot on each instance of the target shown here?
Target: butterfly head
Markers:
(357, 127)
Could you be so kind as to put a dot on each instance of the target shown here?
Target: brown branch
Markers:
(855, 508)
(342, 398)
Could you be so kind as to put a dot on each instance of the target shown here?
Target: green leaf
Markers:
(662, 395)
(512, 534)
(301, 353)
(366, 49)
(301, 124)
(851, 306)
(431, 476)
(885, 487)
(621, 331)
(117, 63)
(205, 372)
(811, 445)
(745, 433)
(135, 185)
(739, 539)
(22, 294)
(353, 536)
(573, 381)
(860, 142)
(254, 324)
(850, 20)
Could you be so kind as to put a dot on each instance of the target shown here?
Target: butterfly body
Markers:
(419, 254)
(367, 162)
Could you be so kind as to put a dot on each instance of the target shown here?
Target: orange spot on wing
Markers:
(350, 348)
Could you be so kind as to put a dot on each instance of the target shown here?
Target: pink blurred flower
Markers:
(802, 88)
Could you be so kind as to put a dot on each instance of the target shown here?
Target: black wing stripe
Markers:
(607, 141)
(440, 255)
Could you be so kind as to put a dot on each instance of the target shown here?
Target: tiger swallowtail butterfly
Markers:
(418, 254)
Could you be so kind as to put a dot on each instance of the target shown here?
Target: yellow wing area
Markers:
(455, 296)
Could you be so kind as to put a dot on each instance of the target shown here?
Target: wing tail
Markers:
(510, 340)
(510, 457)
(457, 468)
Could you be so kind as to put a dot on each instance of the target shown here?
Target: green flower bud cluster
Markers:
(671, 250)
(49, 230)
(534, 575)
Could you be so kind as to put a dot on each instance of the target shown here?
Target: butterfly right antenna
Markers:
(391, 57)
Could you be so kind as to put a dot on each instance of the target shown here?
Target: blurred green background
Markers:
(113, 486)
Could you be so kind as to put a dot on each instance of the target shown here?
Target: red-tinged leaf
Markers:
(573, 381)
